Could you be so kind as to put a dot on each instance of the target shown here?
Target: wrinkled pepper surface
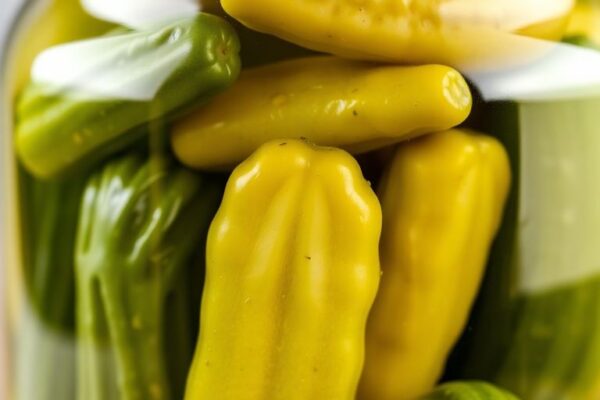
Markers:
(292, 271)
(140, 224)
(330, 101)
(60, 129)
(442, 200)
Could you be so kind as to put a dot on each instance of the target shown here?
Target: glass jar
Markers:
(361, 199)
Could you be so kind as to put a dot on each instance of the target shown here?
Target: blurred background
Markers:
(8, 8)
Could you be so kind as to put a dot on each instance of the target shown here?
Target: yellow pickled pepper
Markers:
(442, 201)
(292, 271)
(406, 31)
(330, 101)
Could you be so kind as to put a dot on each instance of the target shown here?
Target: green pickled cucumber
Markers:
(65, 128)
(141, 223)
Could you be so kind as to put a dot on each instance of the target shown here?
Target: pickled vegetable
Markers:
(413, 31)
(442, 199)
(352, 105)
(62, 129)
(140, 224)
(292, 271)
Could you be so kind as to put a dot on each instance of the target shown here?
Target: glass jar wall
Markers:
(265, 200)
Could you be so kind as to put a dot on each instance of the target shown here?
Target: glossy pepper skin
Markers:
(330, 101)
(292, 270)
(408, 31)
(442, 200)
(64, 129)
(469, 390)
(140, 222)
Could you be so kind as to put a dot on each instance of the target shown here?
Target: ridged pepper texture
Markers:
(469, 390)
(140, 223)
(331, 102)
(442, 201)
(292, 271)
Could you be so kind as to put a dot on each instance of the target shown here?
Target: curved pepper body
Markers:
(330, 101)
(469, 390)
(292, 271)
(442, 201)
(409, 31)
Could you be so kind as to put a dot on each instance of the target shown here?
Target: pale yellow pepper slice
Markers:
(292, 271)
(334, 102)
(442, 199)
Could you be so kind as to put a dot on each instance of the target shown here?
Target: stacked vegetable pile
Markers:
(321, 282)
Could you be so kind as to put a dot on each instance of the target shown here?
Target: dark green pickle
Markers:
(142, 221)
